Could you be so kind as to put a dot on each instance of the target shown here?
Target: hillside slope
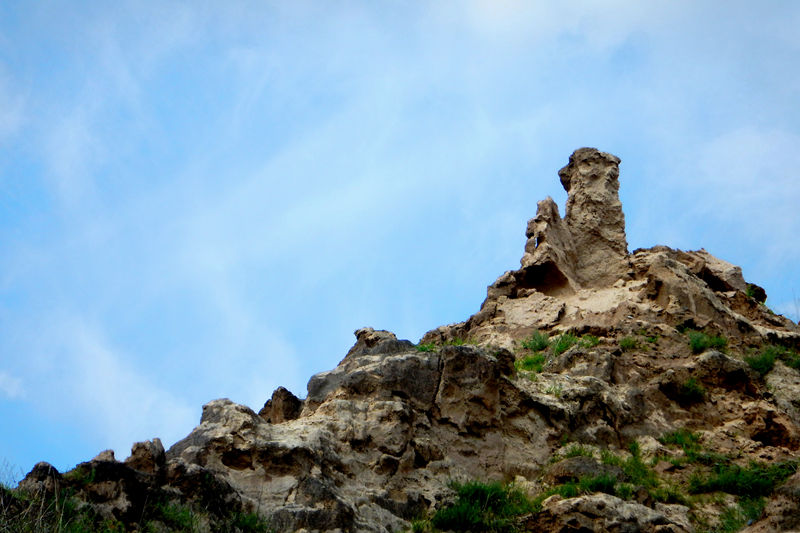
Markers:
(642, 391)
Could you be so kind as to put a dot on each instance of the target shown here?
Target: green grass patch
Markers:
(491, 507)
(458, 341)
(31, 513)
(531, 363)
(765, 359)
(624, 491)
(564, 342)
(556, 390)
(82, 474)
(578, 450)
(250, 523)
(756, 480)
(426, 347)
(177, 516)
(607, 457)
(735, 517)
(589, 341)
(694, 453)
(602, 483)
(691, 391)
(681, 437)
(638, 472)
(537, 342)
(669, 494)
(763, 362)
(700, 342)
(628, 343)
(420, 525)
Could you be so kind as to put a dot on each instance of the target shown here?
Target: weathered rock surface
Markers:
(594, 225)
(377, 440)
(603, 513)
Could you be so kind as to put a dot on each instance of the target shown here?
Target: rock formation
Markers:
(652, 372)
(588, 247)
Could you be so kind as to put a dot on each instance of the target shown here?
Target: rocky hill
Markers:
(596, 389)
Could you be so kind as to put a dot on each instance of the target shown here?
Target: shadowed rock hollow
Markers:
(378, 439)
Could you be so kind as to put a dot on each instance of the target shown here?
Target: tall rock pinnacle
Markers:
(594, 213)
(588, 247)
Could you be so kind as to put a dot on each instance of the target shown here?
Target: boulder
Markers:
(602, 513)
(281, 407)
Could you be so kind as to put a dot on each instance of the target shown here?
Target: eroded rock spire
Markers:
(588, 247)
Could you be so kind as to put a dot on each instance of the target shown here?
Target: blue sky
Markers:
(206, 199)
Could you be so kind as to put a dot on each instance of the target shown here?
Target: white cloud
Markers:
(73, 151)
(11, 386)
(12, 110)
(86, 380)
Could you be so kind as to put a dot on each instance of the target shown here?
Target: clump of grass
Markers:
(578, 450)
(624, 491)
(638, 472)
(652, 339)
(426, 347)
(61, 513)
(459, 341)
(531, 363)
(556, 390)
(420, 525)
(700, 342)
(177, 516)
(683, 438)
(537, 342)
(250, 523)
(607, 457)
(694, 453)
(82, 474)
(602, 483)
(756, 480)
(691, 391)
(792, 359)
(764, 361)
(589, 341)
(735, 517)
(564, 342)
(628, 343)
(669, 494)
(482, 507)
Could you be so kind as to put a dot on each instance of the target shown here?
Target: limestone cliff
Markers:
(585, 361)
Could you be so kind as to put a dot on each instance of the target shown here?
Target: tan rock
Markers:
(147, 456)
(604, 513)
(281, 407)
(594, 216)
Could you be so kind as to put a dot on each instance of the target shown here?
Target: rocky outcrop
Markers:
(594, 216)
(281, 407)
(588, 247)
(603, 513)
(576, 274)
(377, 441)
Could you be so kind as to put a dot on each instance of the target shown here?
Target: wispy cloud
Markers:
(11, 386)
(91, 383)
(12, 111)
